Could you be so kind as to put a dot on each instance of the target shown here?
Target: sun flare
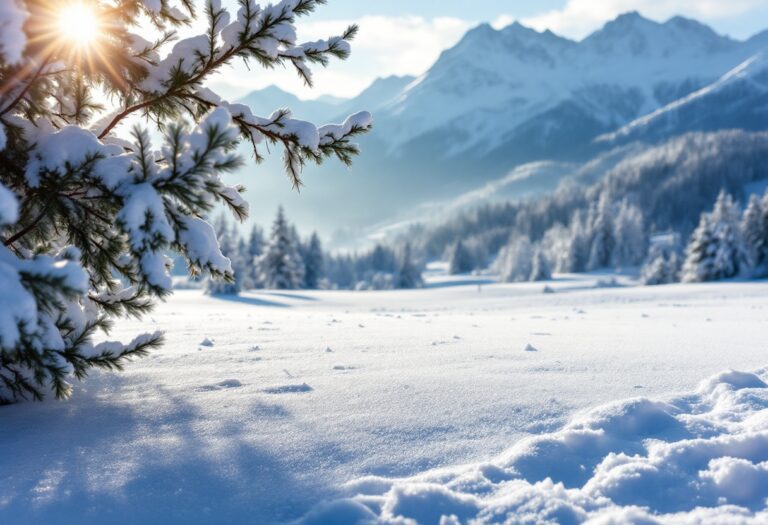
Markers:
(79, 24)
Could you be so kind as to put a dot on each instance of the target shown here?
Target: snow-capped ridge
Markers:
(748, 71)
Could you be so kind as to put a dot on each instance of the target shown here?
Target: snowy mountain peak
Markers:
(634, 35)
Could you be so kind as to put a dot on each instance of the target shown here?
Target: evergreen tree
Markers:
(383, 260)
(87, 218)
(603, 236)
(253, 250)
(281, 265)
(314, 263)
(515, 262)
(409, 275)
(754, 227)
(716, 249)
(578, 245)
(461, 260)
(540, 270)
(662, 265)
(631, 241)
(228, 238)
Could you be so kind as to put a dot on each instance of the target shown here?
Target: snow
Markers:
(9, 206)
(748, 70)
(494, 81)
(13, 41)
(389, 424)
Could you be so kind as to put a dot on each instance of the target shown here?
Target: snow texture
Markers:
(13, 40)
(636, 460)
(229, 435)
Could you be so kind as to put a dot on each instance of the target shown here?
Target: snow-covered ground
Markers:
(264, 408)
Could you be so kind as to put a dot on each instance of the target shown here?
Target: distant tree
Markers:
(314, 263)
(662, 266)
(254, 248)
(382, 259)
(541, 269)
(228, 243)
(716, 250)
(578, 245)
(281, 267)
(603, 235)
(409, 274)
(461, 259)
(341, 273)
(631, 240)
(515, 261)
(556, 245)
(754, 227)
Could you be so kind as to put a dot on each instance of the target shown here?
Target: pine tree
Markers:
(461, 260)
(409, 275)
(754, 227)
(515, 262)
(578, 245)
(87, 217)
(662, 265)
(631, 242)
(253, 250)
(228, 238)
(314, 263)
(281, 265)
(541, 269)
(716, 250)
(603, 236)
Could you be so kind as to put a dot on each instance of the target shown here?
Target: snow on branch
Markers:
(88, 218)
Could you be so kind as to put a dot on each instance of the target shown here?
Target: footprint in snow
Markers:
(229, 383)
(289, 389)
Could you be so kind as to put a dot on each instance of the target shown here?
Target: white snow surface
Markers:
(12, 38)
(427, 410)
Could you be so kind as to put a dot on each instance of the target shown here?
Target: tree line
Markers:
(282, 260)
(639, 213)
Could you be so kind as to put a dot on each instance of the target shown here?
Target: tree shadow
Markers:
(453, 284)
(250, 300)
(291, 295)
(102, 458)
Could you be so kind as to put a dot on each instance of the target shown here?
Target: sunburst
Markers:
(78, 23)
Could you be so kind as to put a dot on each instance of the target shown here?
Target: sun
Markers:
(79, 24)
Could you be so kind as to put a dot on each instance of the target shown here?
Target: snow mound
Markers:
(701, 457)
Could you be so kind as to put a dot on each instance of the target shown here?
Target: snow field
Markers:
(262, 409)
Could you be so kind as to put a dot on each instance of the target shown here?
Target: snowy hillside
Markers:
(737, 100)
(261, 408)
(520, 79)
(502, 99)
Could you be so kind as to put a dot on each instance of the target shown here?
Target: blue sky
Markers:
(406, 36)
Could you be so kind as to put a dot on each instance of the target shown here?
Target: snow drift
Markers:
(701, 457)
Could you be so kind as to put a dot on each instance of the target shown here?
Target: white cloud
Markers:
(578, 18)
(403, 45)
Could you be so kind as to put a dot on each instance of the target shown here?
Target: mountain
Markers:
(518, 94)
(327, 108)
(501, 99)
(737, 100)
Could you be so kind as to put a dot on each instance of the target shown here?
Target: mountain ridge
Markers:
(504, 98)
